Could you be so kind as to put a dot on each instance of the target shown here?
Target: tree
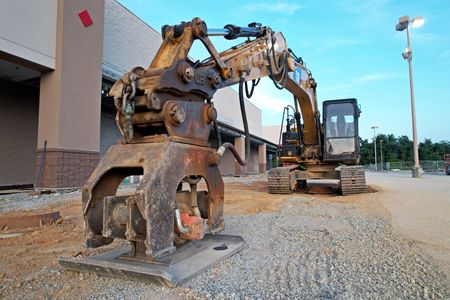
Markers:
(433, 151)
(400, 149)
(366, 152)
(405, 149)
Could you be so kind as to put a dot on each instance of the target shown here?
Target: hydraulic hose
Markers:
(218, 135)
(297, 120)
(215, 159)
(244, 120)
(254, 83)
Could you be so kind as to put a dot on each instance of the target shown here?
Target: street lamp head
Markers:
(403, 23)
(374, 127)
(418, 21)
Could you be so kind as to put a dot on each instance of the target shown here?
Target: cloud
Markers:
(272, 101)
(281, 7)
(362, 8)
(367, 13)
(361, 80)
(425, 37)
(445, 57)
(421, 38)
(376, 77)
(336, 42)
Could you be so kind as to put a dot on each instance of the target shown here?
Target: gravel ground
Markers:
(312, 248)
(309, 250)
(23, 201)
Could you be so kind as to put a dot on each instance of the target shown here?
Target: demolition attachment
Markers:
(165, 115)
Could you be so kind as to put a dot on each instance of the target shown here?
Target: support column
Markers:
(262, 158)
(239, 144)
(69, 100)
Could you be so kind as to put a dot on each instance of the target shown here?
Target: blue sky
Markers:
(351, 47)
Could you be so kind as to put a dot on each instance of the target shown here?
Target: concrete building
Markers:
(54, 82)
(272, 133)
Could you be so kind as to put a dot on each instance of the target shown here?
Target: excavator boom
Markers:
(172, 72)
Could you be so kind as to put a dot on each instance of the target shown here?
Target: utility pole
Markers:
(404, 23)
(381, 155)
(375, 146)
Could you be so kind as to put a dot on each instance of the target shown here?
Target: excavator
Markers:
(338, 154)
(165, 113)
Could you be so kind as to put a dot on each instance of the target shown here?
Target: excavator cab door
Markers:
(340, 125)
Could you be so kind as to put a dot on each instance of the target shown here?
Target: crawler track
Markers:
(280, 181)
(353, 180)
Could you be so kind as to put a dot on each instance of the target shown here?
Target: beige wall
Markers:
(252, 166)
(18, 130)
(128, 41)
(262, 154)
(226, 166)
(226, 101)
(69, 114)
(28, 30)
(272, 133)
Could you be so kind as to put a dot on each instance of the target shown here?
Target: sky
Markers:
(352, 49)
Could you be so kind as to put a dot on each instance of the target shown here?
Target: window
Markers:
(340, 128)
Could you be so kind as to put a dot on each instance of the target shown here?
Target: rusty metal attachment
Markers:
(147, 218)
(165, 115)
(172, 270)
(166, 213)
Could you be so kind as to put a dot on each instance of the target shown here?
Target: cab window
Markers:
(340, 128)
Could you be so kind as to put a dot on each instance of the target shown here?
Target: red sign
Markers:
(85, 18)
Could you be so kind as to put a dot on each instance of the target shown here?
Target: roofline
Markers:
(241, 132)
(148, 25)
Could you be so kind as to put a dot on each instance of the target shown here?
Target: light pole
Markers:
(375, 146)
(404, 23)
(381, 155)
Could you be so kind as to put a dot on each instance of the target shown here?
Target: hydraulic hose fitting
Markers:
(214, 159)
(180, 226)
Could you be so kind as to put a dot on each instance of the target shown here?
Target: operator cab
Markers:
(341, 138)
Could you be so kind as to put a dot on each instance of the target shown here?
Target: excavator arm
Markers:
(269, 56)
(172, 75)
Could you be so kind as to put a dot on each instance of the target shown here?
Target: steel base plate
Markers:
(172, 270)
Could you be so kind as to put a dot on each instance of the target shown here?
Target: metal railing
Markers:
(427, 166)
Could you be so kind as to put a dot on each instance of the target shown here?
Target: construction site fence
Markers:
(427, 166)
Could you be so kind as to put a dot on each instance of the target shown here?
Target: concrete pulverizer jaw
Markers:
(173, 218)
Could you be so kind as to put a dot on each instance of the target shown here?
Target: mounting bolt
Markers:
(107, 233)
(214, 79)
(177, 114)
(211, 113)
(186, 72)
(153, 101)
(199, 27)
(189, 73)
